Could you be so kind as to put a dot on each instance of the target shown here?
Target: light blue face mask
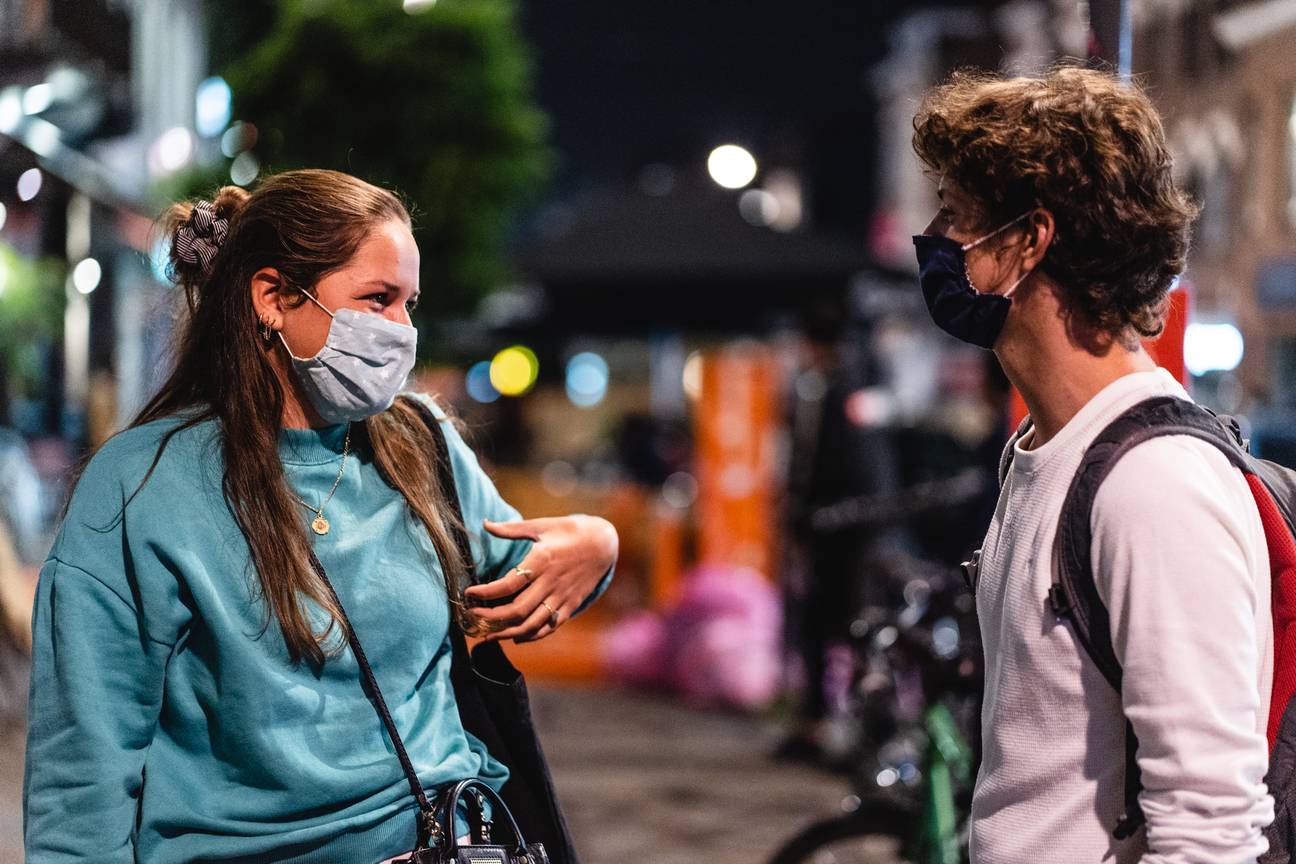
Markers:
(362, 366)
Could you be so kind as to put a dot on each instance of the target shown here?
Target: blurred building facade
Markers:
(97, 101)
(1222, 76)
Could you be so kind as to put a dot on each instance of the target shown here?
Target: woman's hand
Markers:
(570, 556)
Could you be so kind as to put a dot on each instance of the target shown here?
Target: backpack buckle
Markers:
(972, 570)
(1058, 600)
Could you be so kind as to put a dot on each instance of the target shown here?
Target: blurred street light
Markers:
(245, 168)
(86, 275)
(692, 377)
(42, 137)
(171, 151)
(587, 379)
(478, 384)
(37, 99)
(731, 166)
(514, 370)
(759, 207)
(11, 109)
(3, 215)
(29, 184)
(1212, 348)
(239, 137)
(212, 107)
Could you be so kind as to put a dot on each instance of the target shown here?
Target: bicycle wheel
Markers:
(873, 834)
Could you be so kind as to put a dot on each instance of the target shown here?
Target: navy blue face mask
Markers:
(955, 305)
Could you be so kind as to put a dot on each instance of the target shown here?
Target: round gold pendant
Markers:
(319, 525)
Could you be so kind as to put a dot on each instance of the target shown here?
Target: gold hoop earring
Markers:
(267, 332)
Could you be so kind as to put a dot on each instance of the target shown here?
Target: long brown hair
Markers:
(305, 224)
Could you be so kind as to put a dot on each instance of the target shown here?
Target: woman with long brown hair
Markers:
(194, 696)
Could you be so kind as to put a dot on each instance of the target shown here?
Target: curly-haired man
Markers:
(1059, 236)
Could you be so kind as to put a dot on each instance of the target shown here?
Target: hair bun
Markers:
(229, 201)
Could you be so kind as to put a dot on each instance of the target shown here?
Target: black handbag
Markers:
(495, 708)
(484, 849)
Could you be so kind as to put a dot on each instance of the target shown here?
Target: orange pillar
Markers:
(735, 425)
(1167, 350)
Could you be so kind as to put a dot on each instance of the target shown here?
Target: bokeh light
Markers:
(587, 379)
(29, 184)
(478, 384)
(212, 106)
(245, 168)
(693, 375)
(171, 151)
(514, 370)
(759, 207)
(1212, 348)
(11, 109)
(731, 166)
(4, 214)
(37, 99)
(237, 138)
(86, 275)
(159, 259)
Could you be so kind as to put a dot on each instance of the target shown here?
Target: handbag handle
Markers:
(429, 828)
(479, 790)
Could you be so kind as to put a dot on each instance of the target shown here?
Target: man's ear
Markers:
(267, 287)
(1039, 236)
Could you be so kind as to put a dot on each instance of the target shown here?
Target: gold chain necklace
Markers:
(319, 524)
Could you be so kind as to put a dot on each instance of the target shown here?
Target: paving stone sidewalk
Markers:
(646, 779)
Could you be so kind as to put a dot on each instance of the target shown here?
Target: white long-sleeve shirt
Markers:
(1180, 561)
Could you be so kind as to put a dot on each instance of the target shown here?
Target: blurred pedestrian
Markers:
(830, 575)
(193, 693)
(1059, 235)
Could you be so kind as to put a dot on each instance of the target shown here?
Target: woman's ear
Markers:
(267, 288)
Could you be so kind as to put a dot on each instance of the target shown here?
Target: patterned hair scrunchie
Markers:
(201, 236)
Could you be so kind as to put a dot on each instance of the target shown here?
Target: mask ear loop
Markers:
(967, 247)
(977, 242)
(1013, 287)
(311, 298)
(308, 296)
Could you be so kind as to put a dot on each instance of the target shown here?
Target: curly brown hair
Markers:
(1091, 150)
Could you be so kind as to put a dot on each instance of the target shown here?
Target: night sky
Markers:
(628, 84)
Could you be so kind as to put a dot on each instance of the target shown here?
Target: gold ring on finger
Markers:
(525, 572)
(553, 614)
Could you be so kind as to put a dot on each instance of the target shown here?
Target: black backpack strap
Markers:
(1074, 594)
(1006, 460)
(971, 568)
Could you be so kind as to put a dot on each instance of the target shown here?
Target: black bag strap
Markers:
(429, 827)
(1073, 596)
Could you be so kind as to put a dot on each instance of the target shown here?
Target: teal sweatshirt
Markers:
(166, 723)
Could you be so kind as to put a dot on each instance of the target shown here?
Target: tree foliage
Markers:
(436, 106)
(31, 313)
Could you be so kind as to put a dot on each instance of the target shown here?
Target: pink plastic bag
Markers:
(719, 645)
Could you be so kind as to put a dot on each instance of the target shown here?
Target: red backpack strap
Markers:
(1282, 567)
